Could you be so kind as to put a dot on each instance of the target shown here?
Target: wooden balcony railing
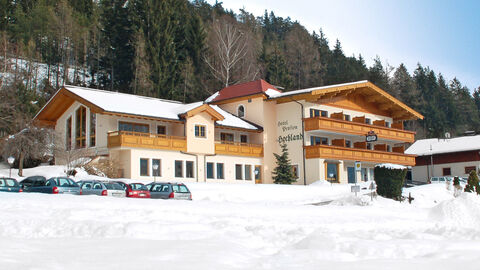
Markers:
(357, 127)
(238, 149)
(343, 153)
(146, 140)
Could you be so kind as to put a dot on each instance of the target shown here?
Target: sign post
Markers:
(358, 168)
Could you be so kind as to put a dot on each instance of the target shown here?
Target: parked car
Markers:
(9, 185)
(176, 191)
(28, 182)
(54, 185)
(101, 188)
(135, 190)
(447, 179)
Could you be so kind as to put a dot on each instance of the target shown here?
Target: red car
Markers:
(135, 190)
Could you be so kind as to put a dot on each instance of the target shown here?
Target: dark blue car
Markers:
(54, 185)
(9, 185)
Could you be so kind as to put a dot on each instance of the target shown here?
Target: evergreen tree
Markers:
(473, 183)
(283, 173)
(276, 71)
(378, 75)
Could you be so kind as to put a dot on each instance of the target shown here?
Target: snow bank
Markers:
(463, 211)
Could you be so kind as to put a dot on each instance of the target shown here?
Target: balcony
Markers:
(238, 149)
(358, 127)
(357, 153)
(146, 140)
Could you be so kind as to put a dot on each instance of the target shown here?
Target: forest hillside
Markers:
(187, 50)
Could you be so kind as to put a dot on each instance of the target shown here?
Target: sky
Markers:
(441, 34)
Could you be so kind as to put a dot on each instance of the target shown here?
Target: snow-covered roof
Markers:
(232, 120)
(439, 146)
(115, 102)
(307, 90)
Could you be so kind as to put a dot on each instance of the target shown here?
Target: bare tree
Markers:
(229, 47)
(30, 142)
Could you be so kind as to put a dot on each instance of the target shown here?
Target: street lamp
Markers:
(155, 168)
(10, 161)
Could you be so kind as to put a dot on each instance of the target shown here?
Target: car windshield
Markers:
(138, 186)
(113, 186)
(180, 189)
(65, 182)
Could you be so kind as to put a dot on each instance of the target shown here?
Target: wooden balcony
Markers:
(238, 149)
(343, 153)
(146, 140)
(357, 127)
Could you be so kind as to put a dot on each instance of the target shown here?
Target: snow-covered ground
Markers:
(235, 226)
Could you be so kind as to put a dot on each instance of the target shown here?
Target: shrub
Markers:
(472, 184)
(390, 182)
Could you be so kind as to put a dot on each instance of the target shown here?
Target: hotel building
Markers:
(232, 135)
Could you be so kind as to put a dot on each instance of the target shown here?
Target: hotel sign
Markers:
(371, 136)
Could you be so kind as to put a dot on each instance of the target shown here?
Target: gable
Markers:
(58, 105)
(362, 96)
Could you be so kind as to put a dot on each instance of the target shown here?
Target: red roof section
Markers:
(243, 89)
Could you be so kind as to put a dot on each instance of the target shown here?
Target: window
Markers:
(346, 117)
(200, 131)
(68, 133)
(93, 128)
(135, 127)
(469, 169)
(316, 113)
(248, 172)
(389, 148)
(144, 167)
(369, 146)
(238, 172)
(210, 170)
(387, 124)
(156, 163)
(220, 171)
(243, 138)
(332, 172)
(348, 143)
(226, 137)
(368, 121)
(241, 111)
(178, 168)
(295, 171)
(189, 168)
(314, 140)
(446, 171)
(80, 127)
(162, 130)
(258, 173)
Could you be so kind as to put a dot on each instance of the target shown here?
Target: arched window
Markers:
(241, 111)
(80, 127)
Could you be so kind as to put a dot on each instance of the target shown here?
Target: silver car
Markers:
(101, 188)
(176, 191)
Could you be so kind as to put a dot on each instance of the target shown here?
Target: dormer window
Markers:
(241, 111)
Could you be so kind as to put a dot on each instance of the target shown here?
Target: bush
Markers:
(472, 184)
(390, 182)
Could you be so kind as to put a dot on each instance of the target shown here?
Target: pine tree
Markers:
(473, 183)
(283, 173)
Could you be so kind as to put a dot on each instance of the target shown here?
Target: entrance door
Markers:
(351, 175)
